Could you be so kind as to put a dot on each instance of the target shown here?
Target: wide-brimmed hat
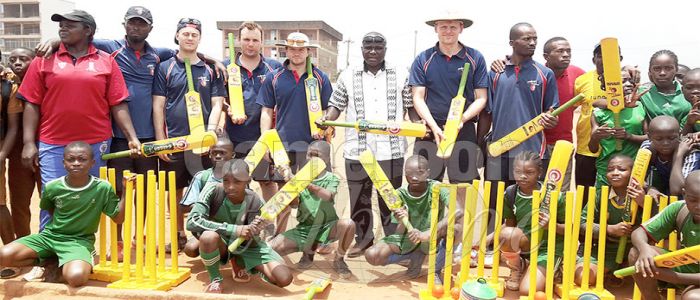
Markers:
(297, 40)
(450, 15)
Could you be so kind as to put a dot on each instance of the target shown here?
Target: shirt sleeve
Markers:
(481, 76)
(46, 202)
(491, 91)
(663, 223)
(193, 191)
(407, 95)
(266, 95)
(111, 204)
(159, 83)
(417, 75)
(198, 220)
(165, 53)
(551, 95)
(326, 90)
(340, 98)
(33, 87)
(104, 45)
(217, 87)
(332, 185)
(691, 163)
(116, 87)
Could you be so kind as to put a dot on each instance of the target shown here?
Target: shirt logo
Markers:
(91, 67)
(59, 203)
(261, 78)
(61, 65)
(203, 81)
(533, 85)
(151, 68)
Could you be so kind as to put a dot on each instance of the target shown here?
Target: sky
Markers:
(642, 27)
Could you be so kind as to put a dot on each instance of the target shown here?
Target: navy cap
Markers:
(139, 12)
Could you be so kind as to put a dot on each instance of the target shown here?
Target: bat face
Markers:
(292, 188)
(612, 74)
(234, 75)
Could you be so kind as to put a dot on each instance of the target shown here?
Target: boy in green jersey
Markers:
(236, 215)
(318, 221)
(684, 218)
(75, 202)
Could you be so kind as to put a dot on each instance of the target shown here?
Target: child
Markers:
(604, 136)
(618, 175)
(663, 142)
(691, 92)
(318, 221)
(517, 213)
(417, 197)
(76, 202)
(237, 216)
(684, 217)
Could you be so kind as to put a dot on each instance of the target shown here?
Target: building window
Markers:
(13, 28)
(30, 10)
(30, 28)
(16, 43)
(12, 10)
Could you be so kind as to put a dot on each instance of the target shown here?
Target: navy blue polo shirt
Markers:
(251, 83)
(171, 82)
(440, 75)
(516, 96)
(284, 89)
(138, 70)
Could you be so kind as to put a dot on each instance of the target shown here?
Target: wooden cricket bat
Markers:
(383, 127)
(383, 185)
(289, 192)
(672, 259)
(555, 172)
(235, 86)
(268, 141)
(454, 118)
(313, 98)
(527, 130)
(612, 74)
(193, 104)
(317, 286)
(171, 145)
(639, 172)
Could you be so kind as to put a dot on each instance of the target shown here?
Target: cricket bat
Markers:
(317, 286)
(313, 98)
(268, 141)
(383, 185)
(672, 259)
(289, 192)
(639, 171)
(383, 127)
(454, 118)
(171, 145)
(193, 104)
(555, 172)
(612, 74)
(527, 130)
(235, 87)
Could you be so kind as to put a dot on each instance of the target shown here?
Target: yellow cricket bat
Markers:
(193, 104)
(268, 141)
(454, 118)
(555, 172)
(383, 127)
(289, 192)
(383, 185)
(235, 87)
(672, 259)
(171, 145)
(527, 130)
(612, 74)
(317, 286)
(639, 172)
(313, 98)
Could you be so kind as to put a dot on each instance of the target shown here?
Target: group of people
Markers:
(79, 97)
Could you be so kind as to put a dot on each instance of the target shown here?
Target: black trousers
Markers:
(360, 187)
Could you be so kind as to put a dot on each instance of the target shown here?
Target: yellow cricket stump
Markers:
(534, 236)
(646, 214)
(672, 246)
(105, 270)
(573, 228)
(432, 252)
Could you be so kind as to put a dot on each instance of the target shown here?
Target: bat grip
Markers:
(568, 104)
(235, 244)
(406, 224)
(336, 123)
(618, 142)
(310, 294)
(624, 272)
(120, 154)
(621, 250)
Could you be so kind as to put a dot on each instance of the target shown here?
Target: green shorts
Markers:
(404, 243)
(306, 236)
(250, 257)
(610, 254)
(66, 248)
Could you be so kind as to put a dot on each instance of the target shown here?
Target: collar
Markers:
(285, 64)
(461, 54)
(261, 64)
(201, 63)
(382, 68)
(146, 46)
(676, 83)
(523, 63)
(63, 51)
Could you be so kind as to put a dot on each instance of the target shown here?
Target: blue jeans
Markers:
(51, 167)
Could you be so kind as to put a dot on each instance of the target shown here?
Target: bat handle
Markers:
(235, 244)
(621, 250)
(310, 294)
(120, 154)
(406, 224)
(618, 142)
(624, 272)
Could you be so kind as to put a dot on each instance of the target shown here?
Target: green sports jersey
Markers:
(662, 224)
(419, 207)
(314, 211)
(76, 211)
(631, 119)
(658, 104)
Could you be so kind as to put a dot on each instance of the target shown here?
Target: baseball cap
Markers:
(139, 12)
(188, 22)
(76, 16)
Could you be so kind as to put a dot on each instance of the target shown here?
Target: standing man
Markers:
(244, 133)
(434, 79)
(169, 111)
(283, 92)
(557, 54)
(374, 91)
(523, 91)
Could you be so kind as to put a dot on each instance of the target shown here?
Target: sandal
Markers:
(9, 272)
(239, 274)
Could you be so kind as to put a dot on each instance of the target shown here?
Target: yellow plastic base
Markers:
(498, 286)
(426, 294)
(176, 279)
(143, 284)
(602, 294)
(107, 273)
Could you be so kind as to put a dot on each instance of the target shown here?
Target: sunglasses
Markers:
(297, 43)
(190, 21)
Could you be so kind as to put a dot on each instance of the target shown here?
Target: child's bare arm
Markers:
(320, 192)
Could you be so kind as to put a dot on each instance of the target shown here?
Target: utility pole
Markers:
(415, 42)
(347, 53)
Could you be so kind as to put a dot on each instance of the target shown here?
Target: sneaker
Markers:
(181, 241)
(305, 262)
(36, 274)
(516, 274)
(9, 272)
(340, 267)
(239, 274)
(214, 287)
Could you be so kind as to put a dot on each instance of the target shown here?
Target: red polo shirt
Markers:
(74, 98)
(565, 86)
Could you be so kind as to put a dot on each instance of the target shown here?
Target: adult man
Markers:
(374, 91)
(283, 91)
(524, 90)
(244, 133)
(434, 78)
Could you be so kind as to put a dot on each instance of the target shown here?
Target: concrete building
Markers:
(24, 23)
(320, 33)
